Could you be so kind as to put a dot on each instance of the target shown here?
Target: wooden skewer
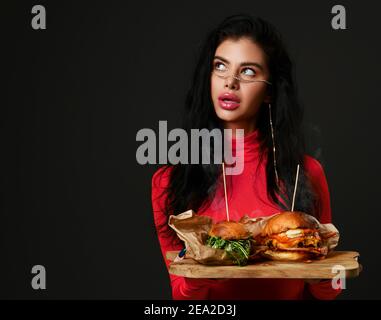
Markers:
(226, 198)
(296, 185)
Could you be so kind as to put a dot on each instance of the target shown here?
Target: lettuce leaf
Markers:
(238, 250)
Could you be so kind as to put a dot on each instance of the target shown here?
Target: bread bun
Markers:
(287, 255)
(229, 230)
(289, 220)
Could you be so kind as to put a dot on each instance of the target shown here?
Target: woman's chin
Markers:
(228, 115)
(228, 118)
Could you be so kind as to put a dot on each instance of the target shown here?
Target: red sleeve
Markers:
(182, 288)
(315, 171)
(319, 183)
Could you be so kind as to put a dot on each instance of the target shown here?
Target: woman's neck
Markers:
(247, 127)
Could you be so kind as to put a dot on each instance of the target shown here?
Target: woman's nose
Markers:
(231, 83)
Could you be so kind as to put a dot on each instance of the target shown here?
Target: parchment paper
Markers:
(193, 230)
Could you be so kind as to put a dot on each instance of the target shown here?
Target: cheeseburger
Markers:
(233, 237)
(292, 236)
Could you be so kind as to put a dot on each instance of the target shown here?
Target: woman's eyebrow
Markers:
(242, 64)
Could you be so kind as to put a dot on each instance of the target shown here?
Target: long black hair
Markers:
(193, 185)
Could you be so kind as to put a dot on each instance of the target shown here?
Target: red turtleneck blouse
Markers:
(247, 195)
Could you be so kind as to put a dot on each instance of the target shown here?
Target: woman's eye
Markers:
(219, 66)
(248, 72)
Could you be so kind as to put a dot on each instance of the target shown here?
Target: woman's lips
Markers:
(228, 101)
(228, 105)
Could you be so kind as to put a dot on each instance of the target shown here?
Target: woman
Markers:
(243, 80)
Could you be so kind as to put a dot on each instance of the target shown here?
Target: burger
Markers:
(234, 238)
(292, 236)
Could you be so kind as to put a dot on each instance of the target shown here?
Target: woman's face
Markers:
(244, 58)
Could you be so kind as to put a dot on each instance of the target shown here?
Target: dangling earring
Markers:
(272, 136)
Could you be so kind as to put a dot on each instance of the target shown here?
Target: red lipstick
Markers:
(228, 101)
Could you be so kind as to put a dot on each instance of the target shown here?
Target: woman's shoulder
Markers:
(160, 182)
(316, 174)
(160, 178)
(318, 179)
(312, 166)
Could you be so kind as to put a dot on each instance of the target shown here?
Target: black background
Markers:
(74, 198)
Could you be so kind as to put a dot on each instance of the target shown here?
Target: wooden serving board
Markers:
(317, 269)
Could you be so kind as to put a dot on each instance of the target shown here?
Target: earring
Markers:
(272, 136)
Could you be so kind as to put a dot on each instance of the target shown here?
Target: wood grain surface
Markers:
(317, 269)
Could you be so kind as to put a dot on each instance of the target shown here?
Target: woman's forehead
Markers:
(241, 50)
